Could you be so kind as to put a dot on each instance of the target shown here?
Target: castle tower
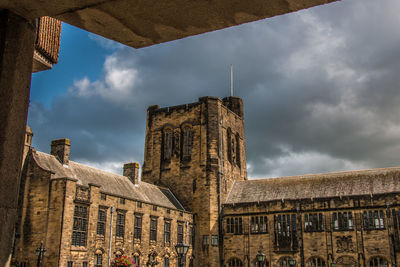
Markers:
(198, 151)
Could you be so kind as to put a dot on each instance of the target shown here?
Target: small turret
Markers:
(28, 143)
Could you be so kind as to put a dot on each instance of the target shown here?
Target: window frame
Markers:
(153, 229)
(167, 231)
(168, 146)
(137, 261)
(80, 226)
(187, 134)
(343, 221)
(235, 262)
(234, 225)
(137, 227)
(120, 225)
(98, 257)
(101, 224)
(313, 222)
(374, 220)
(259, 224)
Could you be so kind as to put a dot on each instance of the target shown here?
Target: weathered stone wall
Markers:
(203, 182)
(329, 244)
(41, 201)
(48, 215)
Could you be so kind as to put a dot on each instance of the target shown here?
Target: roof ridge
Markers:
(326, 174)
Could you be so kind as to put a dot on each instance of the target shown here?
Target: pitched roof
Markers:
(109, 182)
(352, 183)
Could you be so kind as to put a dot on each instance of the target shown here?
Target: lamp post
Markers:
(40, 252)
(260, 258)
(181, 250)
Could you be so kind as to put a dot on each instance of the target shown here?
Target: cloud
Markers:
(320, 89)
(118, 83)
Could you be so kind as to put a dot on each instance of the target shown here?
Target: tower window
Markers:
(168, 137)
(237, 141)
(187, 143)
(233, 147)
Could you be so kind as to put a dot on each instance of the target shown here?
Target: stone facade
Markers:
(347, 242)
(68, 206)
(194, 182)
(201, 180)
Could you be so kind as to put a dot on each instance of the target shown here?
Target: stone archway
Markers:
(346, 261)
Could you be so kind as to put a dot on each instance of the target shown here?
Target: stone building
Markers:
(68, 207)
(194, 176)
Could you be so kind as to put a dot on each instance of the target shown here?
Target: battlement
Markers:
(155, 109)
(233, 103)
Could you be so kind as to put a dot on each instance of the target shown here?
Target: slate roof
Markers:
(352, 183)
(109, 182)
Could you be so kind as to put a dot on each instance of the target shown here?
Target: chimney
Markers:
(131, 170)
(60, 149)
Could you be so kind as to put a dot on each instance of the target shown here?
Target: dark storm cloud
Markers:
(320, 89)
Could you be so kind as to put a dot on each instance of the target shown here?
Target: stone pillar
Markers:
(17, 37)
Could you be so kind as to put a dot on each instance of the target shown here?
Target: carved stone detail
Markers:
(82, 194)
(344, 244)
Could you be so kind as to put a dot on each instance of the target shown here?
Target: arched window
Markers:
(378, 262)
(168, 148)
(136, 259)
(237, 149)
(235, 262)
(166, 262)
(229, 144)
(316, 262)
(287, 262)
(152, 258)
(98, 259)
(186, 143)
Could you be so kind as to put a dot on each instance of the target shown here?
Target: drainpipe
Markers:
(110, 238)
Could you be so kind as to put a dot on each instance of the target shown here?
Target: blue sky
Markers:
(79, 56)
(320, 89)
